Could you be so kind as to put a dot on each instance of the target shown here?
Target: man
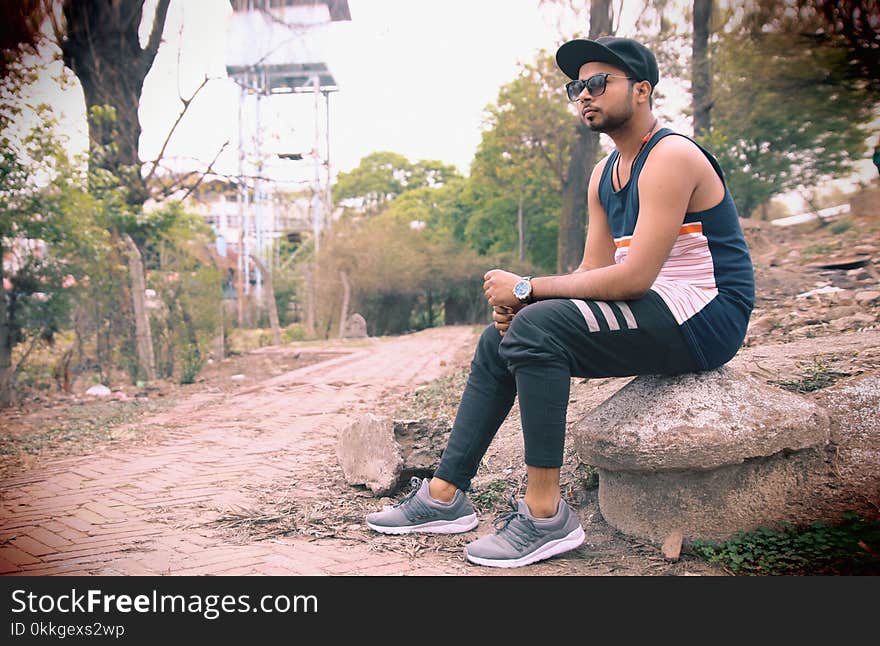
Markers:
(665, 287)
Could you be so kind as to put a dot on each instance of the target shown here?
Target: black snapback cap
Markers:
(625, 53)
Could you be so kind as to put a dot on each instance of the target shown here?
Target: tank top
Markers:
(707, 282)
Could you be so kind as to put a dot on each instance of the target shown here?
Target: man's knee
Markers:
(530, 337)
(536, 320)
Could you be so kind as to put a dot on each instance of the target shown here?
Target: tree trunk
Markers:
(239, 279)
(573, 222)
(102, 47)
(144, 336)
(273, 307)
(220, 340)
(311, 305)
(573, 218)
(346, 299)
(519, 229)
(701, 83)
(6, 384)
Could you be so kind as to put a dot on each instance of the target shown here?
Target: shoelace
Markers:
(414, 509)
(515, 527)
(415, 484)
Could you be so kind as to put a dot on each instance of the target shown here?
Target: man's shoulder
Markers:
(596, 173)
(600, 165)
(677, 145)
(675, 153)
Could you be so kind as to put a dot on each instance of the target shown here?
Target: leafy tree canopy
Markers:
(787, 113)
(521, 165)
(382, 176)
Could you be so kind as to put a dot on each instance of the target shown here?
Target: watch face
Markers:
(521, 289)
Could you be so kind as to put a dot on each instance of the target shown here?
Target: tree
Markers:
(585, 149)
(701, 83)
(47, 235)
(853, 25)
(186, 279)
(848, 25)
(382, 176)
(787, 112)
(20, 31)
(100, 44)
(400, 277)
(518, 173)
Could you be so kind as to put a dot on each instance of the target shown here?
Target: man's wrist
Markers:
(533, 296)
(522, 290)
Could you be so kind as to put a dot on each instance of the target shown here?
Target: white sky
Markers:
(414, 78)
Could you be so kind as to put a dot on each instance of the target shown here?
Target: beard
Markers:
(612, 122)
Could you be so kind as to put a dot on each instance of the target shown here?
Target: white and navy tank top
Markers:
(708, 281)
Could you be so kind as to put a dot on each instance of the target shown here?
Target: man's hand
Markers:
(498, 286)
(503, 315)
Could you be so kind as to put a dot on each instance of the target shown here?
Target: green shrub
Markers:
(840, 227)
(850, 548)
(294, 332)
(192, 363)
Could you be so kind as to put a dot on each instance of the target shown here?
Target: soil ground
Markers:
(237, 473)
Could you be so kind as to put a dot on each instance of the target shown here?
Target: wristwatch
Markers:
(523, 290)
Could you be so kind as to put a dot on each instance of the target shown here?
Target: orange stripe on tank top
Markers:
(693, 227)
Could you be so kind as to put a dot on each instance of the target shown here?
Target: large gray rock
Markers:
(850, 480)
(697, 421)
(384, 454)
(707, 454)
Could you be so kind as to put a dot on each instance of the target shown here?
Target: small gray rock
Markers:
(355, 327)
(384, 454)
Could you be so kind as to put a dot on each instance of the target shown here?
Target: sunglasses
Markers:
(595, 85)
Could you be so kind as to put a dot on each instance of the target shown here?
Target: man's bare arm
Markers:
(665, 187)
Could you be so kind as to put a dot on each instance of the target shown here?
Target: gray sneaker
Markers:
(419, 512)
(522, 539)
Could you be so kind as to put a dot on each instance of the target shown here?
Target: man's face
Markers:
(613, 108)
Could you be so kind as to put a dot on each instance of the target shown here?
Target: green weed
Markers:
(818, 376)
(819, 249)
(840, 227)
(437, 398)
(850, 548)
(489, 496)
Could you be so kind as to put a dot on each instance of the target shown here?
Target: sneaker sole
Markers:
(551, 548)
(457, 526)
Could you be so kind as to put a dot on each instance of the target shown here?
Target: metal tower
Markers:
(274, 48)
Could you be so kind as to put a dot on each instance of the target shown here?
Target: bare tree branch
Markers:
(149, 53)
(167, 191)
(616, 27)
(186, 104)
(207, 171)
(56, 21)
(37, 336)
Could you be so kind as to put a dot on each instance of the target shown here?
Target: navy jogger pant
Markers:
(548, 343)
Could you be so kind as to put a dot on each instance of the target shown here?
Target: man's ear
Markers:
(644, 89)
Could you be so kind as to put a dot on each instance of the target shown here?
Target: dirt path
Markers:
(153, 508)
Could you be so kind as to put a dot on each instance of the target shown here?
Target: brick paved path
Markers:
(146, 509)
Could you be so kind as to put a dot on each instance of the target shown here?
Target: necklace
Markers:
(645, 140)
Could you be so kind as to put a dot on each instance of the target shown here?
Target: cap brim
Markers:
(573, 54)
